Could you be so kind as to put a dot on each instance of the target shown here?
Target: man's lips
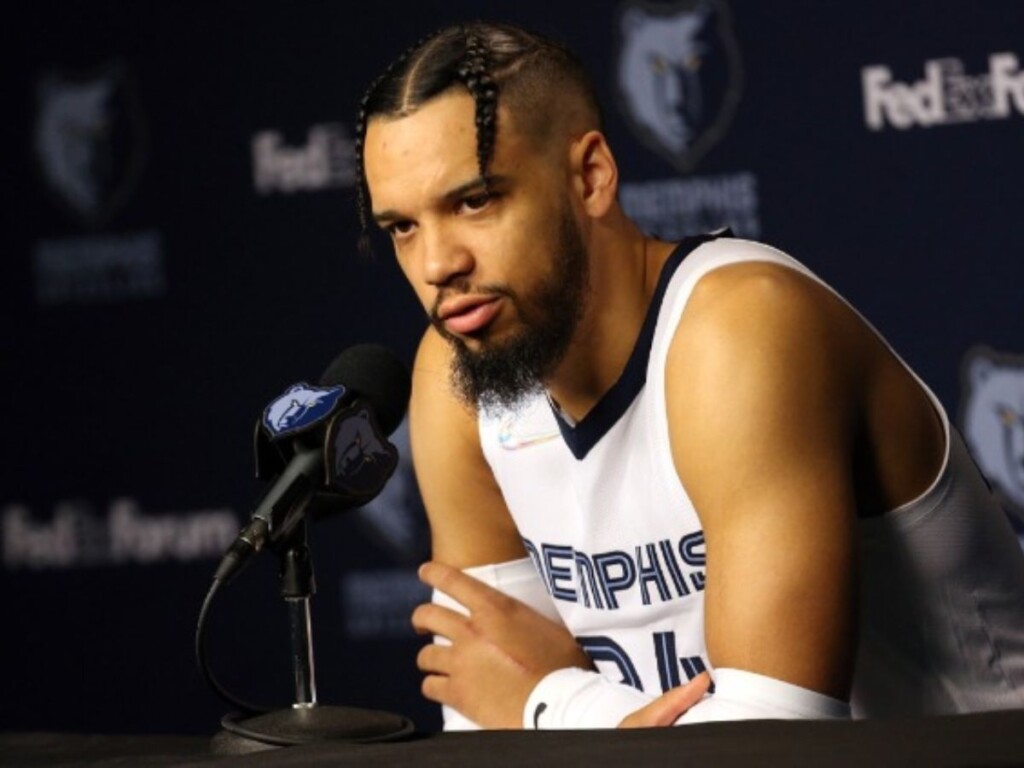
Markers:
(467, 314)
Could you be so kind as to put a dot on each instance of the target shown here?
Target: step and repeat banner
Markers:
(179, 247)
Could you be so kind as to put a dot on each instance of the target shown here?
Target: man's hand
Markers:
(497, 654)
(668, 707)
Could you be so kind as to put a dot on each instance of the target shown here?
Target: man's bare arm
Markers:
(763, 401)
(491, 658)
(469, 522)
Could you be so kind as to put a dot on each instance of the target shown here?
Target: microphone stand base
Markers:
(305, 725)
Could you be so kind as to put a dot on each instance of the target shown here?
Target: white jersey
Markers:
(620, 547)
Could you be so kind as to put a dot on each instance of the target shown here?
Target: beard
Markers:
(500, 376)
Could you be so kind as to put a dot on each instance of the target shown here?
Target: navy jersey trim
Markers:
(614, 403)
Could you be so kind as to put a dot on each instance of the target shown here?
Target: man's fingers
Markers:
(435, 658)
(435, 688)
(434, 619)
(472, 593)
(668, 707)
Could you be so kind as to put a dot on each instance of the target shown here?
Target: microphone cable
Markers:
(233, 722)
(243, 707)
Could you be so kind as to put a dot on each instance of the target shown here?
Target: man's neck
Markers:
(623, 277)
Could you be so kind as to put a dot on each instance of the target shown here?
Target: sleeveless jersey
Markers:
(620, 548)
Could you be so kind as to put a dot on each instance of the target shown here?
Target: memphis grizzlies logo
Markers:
(679, 76)
(993, 422)
(360, 459)
(299, 408)
(89, 141)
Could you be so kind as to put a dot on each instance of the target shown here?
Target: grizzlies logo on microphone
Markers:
(299, 408)
(359, 457)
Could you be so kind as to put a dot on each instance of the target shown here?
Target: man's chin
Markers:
(492, 377)
(477, 344)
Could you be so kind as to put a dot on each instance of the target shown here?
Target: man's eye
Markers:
(399, 228)
(476, 202)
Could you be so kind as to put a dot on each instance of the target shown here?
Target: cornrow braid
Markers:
(362, 118)
(476, 76)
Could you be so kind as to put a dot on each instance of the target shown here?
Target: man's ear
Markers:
(595, 174)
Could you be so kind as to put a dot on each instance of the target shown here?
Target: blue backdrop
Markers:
(179, 247)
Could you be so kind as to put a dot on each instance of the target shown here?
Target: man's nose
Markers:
(446, 257)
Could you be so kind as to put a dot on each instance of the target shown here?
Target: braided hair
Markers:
(486, 59)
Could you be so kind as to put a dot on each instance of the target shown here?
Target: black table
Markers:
(989, 739)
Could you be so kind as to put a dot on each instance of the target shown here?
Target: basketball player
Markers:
(644, 462)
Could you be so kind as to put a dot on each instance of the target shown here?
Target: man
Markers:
(656, 459)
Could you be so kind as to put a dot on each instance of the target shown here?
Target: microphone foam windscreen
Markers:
(375, 373)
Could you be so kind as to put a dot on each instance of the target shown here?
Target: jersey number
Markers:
(603, 649)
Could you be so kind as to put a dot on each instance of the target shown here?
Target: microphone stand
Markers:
(306, 721)
(298, 585)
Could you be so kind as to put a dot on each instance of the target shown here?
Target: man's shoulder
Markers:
(707, 253)
(742, 300)
(431, 370)
(435, 402)
(724, 275)
(433, 354)
(760, 330)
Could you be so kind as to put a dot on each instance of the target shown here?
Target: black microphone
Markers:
(324, 447)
